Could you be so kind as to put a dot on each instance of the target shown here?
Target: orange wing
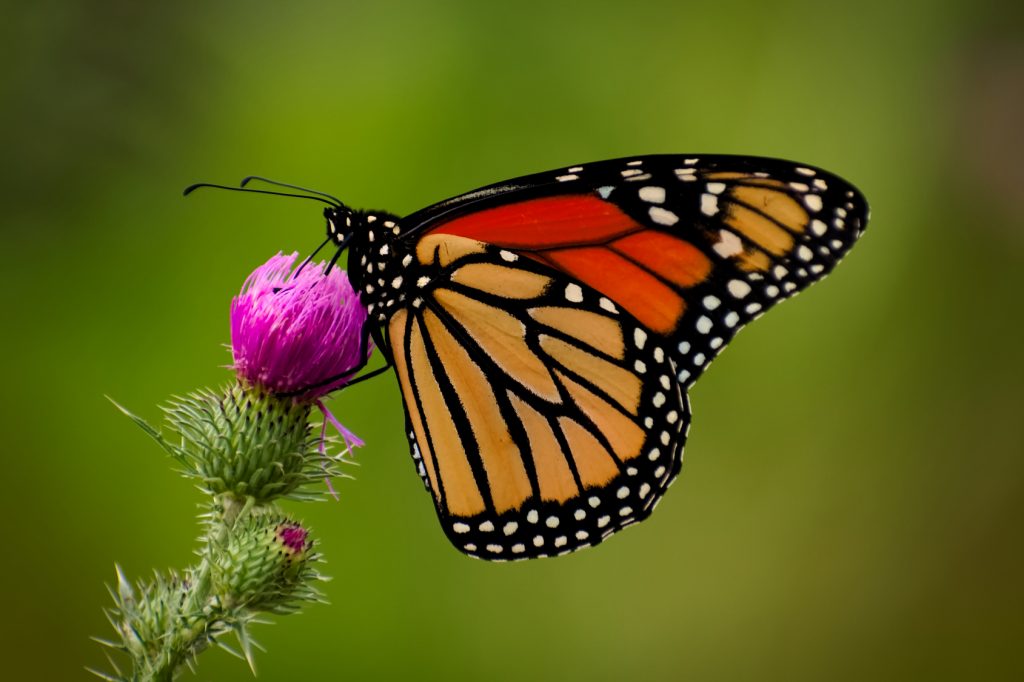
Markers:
(544, 366)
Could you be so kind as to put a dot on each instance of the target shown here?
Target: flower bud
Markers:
(151, 619)
(264, 565)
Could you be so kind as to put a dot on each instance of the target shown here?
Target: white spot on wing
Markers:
(738, 288)
(574, 293)
(663, 216)
(728, 245)
(654, 195)
(708, 204)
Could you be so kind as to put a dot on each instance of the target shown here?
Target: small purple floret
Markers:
(293, 537)
(290, 333)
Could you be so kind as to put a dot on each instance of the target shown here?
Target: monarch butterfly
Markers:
(544, 330)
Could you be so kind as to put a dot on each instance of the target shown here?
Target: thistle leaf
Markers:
(172, 450)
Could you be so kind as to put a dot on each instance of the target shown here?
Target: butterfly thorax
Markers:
(379, 263)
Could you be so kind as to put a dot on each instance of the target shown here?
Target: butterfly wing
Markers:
(544, 418)
(544, 369)
(693, 247)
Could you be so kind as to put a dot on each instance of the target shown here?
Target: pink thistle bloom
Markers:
(293, 332)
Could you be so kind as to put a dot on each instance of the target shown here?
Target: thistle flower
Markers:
(296, 335)
(292, 330)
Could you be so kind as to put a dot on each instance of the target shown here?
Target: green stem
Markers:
(203, 616)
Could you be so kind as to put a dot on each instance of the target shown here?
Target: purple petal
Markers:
(291, 332)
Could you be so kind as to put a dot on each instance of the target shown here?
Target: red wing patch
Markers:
(641, 269)
(541, 224)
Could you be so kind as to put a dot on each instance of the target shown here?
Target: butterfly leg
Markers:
(364, 345)
(382, 343)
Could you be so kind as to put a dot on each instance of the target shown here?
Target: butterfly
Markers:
(545, 330)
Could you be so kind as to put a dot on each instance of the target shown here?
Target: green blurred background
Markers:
(856, 465)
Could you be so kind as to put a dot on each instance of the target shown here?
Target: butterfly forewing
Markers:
(693, 247)
(545, 417)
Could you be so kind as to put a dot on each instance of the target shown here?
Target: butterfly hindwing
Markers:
(545, 417)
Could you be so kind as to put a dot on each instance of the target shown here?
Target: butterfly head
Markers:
(341, 224)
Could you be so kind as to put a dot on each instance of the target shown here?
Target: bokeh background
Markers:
(852, 498)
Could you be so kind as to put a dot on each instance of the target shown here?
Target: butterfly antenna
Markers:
(198, 185)
(247, 180)
(310, 257)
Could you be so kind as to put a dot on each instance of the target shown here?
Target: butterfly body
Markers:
(544, 330)
(381, 263)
